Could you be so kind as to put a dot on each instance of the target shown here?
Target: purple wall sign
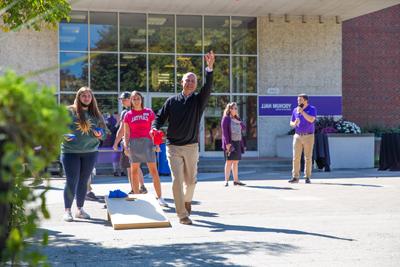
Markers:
(284, 105)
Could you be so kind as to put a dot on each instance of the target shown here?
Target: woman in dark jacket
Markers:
(232, 142)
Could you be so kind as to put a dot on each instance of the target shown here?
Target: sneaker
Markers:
(239, 183)
(68, 216)
(162, 202)
(308, 181)
(294, 180)
(81, 214)
(143, 190)
(116, 174)
(226, 184)
(91, 196)
(185, 221)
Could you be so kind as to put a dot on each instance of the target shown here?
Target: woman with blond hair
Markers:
(80, 149)
(138, 143)
(232, 142)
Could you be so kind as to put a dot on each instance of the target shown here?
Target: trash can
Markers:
(163, 168)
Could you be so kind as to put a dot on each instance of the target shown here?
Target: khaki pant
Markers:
(183, 161)
(300, 143)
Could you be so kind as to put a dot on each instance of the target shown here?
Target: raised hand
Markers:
(210, 59)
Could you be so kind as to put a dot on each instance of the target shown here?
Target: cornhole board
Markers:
(138, 211)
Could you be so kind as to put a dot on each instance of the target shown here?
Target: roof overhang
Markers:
(345, 9)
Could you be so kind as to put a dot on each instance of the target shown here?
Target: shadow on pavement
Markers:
(66, 250)
(364, 185)
(220, 227)
(270, 187)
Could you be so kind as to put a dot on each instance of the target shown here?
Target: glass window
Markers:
(189, 64)
(133, 72)
(161, 73)
(74, 34)
(212, 120)
(244, 74)
(161, 33)
(247, 109)
(108, 104)
(188, 34)
(103, 31)
(104, 72)
(221, 75)
(132, 32)
(67, 99)
(73, 71)
(216, 34)
(244, 35)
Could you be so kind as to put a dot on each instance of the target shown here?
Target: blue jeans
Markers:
(77, 167)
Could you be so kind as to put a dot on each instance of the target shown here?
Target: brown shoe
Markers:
(188, 207)
(186, 221)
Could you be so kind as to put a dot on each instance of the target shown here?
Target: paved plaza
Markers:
(344, 218)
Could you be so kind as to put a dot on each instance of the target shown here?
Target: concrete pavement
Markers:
(345, 217)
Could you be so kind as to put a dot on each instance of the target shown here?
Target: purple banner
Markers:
(284, 105)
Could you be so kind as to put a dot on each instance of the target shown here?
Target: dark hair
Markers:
(304, 96)
(141, 97)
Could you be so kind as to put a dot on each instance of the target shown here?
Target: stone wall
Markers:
(296, 57)
(28, 50)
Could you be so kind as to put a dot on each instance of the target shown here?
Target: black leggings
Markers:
(78, 168)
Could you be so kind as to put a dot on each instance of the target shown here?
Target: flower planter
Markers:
(349, 151)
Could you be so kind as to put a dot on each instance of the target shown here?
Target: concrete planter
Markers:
(284, 144)
(346, 150)
(351, 150)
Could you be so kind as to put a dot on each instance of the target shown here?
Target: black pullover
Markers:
(184, 115)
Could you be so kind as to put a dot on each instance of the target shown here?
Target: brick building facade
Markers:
(371, 68)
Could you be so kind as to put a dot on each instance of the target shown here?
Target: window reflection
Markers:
(247, 108)
(244, 35)
(221, 75)
(103, 31)
(244, 74)
(188, 34)
(216, 34)
(133, 72)
(188, 64)
(212, 120)
(103, 72)
(161, 73)
(73, 71)
(161, 33)
(132, 28)
(74, 34)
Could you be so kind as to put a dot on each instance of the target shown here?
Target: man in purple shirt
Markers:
(303, 119)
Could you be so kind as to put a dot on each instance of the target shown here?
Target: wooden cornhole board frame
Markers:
(139, 211)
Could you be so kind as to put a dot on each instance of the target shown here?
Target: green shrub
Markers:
(29, 117)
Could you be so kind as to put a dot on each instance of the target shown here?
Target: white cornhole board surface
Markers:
(143, 212)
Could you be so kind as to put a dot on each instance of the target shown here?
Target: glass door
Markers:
(210, 129)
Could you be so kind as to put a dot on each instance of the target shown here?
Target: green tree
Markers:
(17, 14)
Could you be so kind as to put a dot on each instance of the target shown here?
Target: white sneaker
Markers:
(81, 214)
(162, 202)
(68, 216)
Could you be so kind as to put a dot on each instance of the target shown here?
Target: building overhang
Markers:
(345, 9)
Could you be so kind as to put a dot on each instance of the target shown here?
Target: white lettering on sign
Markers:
(282, 106)
(266, 105)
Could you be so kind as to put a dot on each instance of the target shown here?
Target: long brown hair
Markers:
(141, 97)
(92, 108)
(227, 111)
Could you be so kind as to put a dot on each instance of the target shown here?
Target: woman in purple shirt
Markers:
(232, 142)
